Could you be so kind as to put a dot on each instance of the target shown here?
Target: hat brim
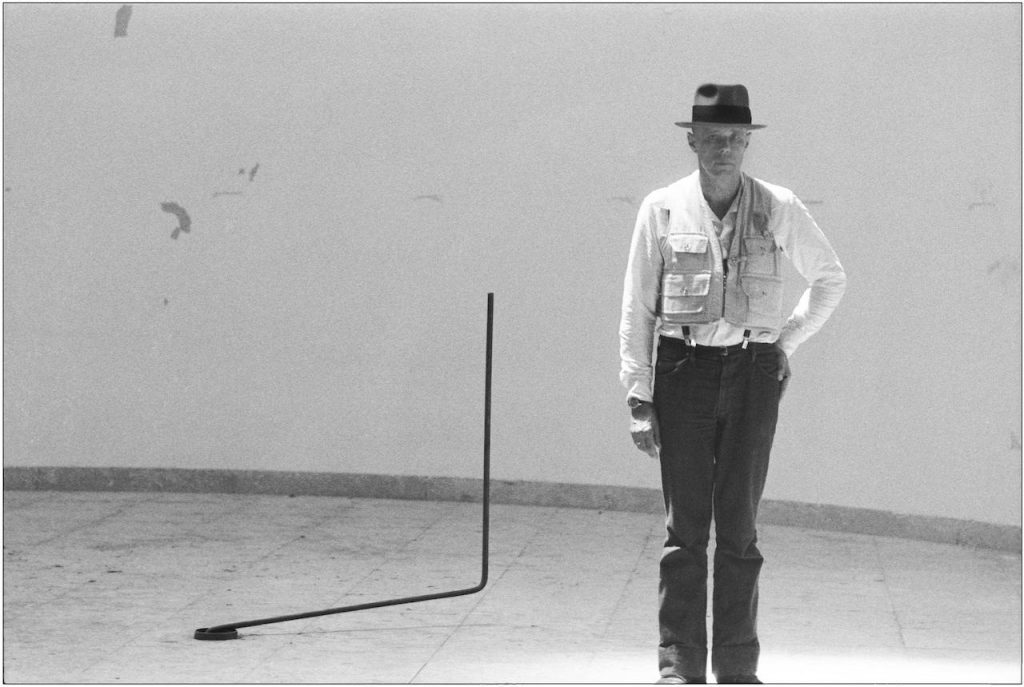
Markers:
(724, 125)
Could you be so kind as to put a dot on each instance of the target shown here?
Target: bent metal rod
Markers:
(230, 630)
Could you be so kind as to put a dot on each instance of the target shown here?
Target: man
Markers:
(705, 275)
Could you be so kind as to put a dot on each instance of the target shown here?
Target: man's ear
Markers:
(689, 139)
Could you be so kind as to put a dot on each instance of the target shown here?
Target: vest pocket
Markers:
(760, 255)
(685, 294)
(764, 300)
(689, 252)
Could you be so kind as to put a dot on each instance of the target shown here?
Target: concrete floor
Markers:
(108, 588)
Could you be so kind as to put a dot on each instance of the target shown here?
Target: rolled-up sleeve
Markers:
(812, 255)
(639, 303)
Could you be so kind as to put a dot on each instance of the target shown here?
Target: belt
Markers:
(679, 345)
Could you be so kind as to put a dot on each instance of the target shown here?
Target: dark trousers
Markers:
(717, 416)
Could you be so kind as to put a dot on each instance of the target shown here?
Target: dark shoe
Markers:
(681, 680)
(739, 680)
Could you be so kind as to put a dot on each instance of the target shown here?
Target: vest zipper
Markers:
(717, 254)
(723, 261)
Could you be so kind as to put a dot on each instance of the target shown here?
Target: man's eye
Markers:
(720, 141)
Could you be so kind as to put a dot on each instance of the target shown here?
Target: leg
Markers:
(747, 433)
(687, 425)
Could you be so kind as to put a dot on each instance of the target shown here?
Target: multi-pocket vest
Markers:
(696, 287)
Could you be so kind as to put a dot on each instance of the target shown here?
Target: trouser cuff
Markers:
(680, 660)
(735, 660)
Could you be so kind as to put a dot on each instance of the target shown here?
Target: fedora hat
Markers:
(721, 105)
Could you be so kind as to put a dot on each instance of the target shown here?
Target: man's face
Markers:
(719, 149)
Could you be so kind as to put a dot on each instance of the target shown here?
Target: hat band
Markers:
(721, 114)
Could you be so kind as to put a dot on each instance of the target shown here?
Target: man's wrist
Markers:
(786, 345)
(637, 405)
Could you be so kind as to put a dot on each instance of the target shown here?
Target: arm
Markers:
(640, 293)
(641, 289)
(813, 257)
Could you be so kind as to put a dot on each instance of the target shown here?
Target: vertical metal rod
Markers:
(230, 630)
(485, 544)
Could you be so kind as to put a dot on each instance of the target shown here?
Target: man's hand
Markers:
(784, 372)
(644, 428)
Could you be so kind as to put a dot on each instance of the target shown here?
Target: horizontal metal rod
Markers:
(345, 609)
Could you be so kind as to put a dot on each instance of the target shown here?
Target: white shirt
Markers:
(796, 234)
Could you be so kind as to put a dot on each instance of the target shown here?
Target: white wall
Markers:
(324, 318)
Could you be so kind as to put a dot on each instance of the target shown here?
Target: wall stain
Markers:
(1015, 444)
(252, 172)
(121, 21)
(628, 200)
(184, 221)
(226, 193)
(434, 197)
(1007, 274)
(982, 193)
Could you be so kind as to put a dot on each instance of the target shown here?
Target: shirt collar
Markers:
(733, 209)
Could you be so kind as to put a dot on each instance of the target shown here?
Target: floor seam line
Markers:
(632, 573)
(484, 593)
(307, 622)
(888, 592)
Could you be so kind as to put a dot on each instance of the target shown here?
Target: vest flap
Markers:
(687, 284)
(688, 243)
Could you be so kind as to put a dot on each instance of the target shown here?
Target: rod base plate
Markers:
(215, 634)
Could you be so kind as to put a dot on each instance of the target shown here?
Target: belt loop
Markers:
(746, 337)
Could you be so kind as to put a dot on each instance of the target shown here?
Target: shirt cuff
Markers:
(788, 345)
(637, 390)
